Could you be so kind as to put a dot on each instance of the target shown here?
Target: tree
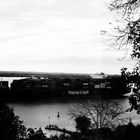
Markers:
(82, 123)
(102, 114)
(128, 35)
(129, 32)
(11, 127)
(35, 135)
(133, 78)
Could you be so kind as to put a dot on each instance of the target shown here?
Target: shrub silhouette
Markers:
(82, 123)
(11, 127)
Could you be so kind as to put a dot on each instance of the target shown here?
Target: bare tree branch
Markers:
(101, 113)
(126, 7)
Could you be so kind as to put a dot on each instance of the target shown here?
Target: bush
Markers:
(11, 127)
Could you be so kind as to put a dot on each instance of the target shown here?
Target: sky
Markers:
(58, 36)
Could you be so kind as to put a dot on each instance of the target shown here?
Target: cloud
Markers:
(54, 34)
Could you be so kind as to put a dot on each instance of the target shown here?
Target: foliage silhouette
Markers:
(11, 127)
(102, 114)
(35, 135)
(82, 123)
(128, 36)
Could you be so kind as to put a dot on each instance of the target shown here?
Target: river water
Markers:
(41, 113)
(37, 114)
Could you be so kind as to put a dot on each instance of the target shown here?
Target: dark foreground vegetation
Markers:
(12, 128)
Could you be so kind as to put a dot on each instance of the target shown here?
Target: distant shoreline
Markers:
(45, 74)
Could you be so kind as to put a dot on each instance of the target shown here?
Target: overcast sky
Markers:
(57, 36)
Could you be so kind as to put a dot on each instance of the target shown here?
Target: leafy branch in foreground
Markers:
(11, 127)
(128, 35)
(125, 7)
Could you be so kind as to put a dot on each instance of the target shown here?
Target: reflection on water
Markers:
(40, 114)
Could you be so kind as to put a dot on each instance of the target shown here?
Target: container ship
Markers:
(65, 85)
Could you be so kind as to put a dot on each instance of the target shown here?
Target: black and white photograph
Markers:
(69, 69)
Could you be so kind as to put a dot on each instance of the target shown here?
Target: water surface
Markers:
(41, 113)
